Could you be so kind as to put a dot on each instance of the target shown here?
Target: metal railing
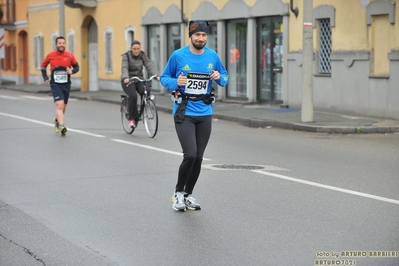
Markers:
(325, 47)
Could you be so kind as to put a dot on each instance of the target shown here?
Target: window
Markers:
(173, 38)
(8, 9)
(53, 38)
(324, 64)
(325, 17)
(154, 47)
(71, 42)
(108, 51)
(129, 36)
(6, 60)
(379, 14)
(13, 57)
(38, 50)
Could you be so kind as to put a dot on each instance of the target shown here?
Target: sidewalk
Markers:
(249, 115)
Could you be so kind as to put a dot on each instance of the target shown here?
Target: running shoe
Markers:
(132, 123)
(56, 125)
(178, 202)
(63, 130)
(191, 203)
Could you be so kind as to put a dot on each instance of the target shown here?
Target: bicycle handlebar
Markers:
(132, 79)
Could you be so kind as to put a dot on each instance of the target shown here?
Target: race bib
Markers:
(60, 76)
(197, 83)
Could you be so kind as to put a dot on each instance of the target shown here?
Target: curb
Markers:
(259, 123)
(254, 123)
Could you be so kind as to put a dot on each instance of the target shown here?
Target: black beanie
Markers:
(198, 25)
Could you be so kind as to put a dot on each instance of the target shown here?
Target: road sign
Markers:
(2, 43)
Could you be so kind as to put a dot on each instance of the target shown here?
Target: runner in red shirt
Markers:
(62, 65)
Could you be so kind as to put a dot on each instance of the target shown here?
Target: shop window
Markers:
(236, 56)
(174, 38)
(153, 51)
(212, 37)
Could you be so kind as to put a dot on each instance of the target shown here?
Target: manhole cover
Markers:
(238, 166)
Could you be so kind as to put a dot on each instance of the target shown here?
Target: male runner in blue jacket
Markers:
(189, 72)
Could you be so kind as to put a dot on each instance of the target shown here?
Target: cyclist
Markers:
(133, 62)
(189, 72)
(62, 65)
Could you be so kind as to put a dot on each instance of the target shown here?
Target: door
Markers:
(270, 61)
(93, 54)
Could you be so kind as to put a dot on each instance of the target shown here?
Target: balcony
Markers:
(7, 16)
(80, 3)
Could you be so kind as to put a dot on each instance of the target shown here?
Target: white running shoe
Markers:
(63, 130)
(178, 202)
(56, 125)
(191, 203)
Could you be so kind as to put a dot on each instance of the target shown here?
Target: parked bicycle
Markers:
(147, 109)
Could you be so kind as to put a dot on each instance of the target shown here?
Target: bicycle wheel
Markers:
(125, 117)
(150, 117)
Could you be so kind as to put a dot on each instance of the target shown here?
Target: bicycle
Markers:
(147, 110)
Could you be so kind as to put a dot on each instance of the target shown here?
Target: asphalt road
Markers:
(269, 197)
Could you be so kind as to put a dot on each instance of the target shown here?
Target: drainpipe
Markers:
(183, 20)
(294, 10)
(62, 17)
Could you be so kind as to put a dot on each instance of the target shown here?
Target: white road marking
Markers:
(84, 132)
(51, 125)
(37, 98)
(361, 194)
(9, 97)
(219, 167)
(151, 148)
(47, 98)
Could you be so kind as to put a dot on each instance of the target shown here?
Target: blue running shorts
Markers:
(60, 91)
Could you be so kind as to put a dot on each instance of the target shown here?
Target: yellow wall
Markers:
(161, 5)
(20, 11)
(114, 14)
(44, 22)
(350, 31)
(11, 37)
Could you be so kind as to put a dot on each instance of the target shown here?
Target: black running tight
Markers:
(193, 134)
(132, 102)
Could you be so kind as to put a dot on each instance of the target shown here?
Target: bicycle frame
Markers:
(147, 110)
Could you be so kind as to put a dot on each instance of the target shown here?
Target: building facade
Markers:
(356, 46)
(14, 22)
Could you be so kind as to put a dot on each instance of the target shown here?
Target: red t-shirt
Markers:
(59, 61)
